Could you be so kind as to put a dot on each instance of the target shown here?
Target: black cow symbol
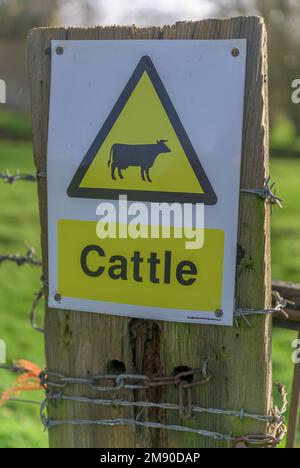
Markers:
(143, 156)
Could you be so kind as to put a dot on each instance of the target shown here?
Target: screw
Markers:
(57, 297)
(59, 50)
(219, 313)
(235, 52)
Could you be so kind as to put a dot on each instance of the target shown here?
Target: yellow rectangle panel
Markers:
(141, 272)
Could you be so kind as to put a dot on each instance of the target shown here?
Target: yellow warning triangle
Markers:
(142, 149)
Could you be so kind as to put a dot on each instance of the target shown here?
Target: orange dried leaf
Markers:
(29, 381)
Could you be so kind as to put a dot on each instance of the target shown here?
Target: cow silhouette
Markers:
(143, 156)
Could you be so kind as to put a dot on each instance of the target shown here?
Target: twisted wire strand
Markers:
(266, 193)
(242, 414)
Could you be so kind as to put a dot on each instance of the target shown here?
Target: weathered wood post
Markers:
(83, 344)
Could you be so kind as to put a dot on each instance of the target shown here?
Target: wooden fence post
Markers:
(82, 344)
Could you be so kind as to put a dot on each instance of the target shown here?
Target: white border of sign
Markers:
(206, 85)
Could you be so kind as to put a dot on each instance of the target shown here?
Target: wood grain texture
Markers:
(81, 344)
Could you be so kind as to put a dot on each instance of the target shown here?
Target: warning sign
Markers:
(144, 141)
(142, 149)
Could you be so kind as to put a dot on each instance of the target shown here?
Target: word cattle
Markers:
(119, 267)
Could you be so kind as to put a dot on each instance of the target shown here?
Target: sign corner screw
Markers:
(219, 313)
(59, 50)
(57, 297)
(235, 52)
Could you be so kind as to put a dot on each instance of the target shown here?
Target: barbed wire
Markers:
(20, 260)
(30, 259)
(147, 382)
(276, 421)
(239, 313)
(38, 298)
(276, 430)
(15, 368)
(182, 379)
(12, 178)
(279, 307)
(48, 423)
(33, 313)
(266, 193)
(178, 380)
(120, 402)
(248, 440)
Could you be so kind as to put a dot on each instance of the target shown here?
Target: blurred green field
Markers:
(285, 235)
(19, 424)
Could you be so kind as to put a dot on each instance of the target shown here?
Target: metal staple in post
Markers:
(41, 174)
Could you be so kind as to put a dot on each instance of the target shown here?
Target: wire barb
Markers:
(19, 260)
(266, 193)
(11, 179)
(279, 307)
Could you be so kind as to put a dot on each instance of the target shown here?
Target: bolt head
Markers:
(219, 313)
(57, 297)
(59, 50)
(235, 52)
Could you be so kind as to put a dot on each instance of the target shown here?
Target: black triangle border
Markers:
(208, 197)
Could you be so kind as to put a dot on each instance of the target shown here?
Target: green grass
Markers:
(283, 136)
(285, 236)
(286, 223)
(19, 424)
(14, 126)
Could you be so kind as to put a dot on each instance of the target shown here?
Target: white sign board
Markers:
(144, 135)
